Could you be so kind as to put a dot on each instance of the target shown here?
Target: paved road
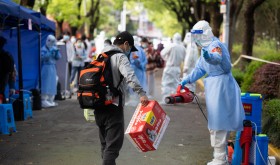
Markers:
(61, 136)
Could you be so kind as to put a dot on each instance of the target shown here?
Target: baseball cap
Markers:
(126, 36)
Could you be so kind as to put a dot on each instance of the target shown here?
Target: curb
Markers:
(273, 151)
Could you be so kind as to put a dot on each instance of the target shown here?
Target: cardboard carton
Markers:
(147, 126)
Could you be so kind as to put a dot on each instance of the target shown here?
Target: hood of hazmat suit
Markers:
(51, 41)
(176, 38)
(202, 33)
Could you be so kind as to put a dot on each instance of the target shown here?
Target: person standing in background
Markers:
(174, 55)
(87, 47)
(92, 54)
(7, 71)
(190, 59)
(77, 62)
(49, 55)
(138, 62)
(70, 50)
(150, 67)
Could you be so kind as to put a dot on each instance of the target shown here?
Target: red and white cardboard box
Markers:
(147, 126)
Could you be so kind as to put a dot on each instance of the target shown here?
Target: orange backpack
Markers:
(96, 88)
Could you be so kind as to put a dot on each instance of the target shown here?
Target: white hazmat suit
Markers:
(174, 55)
(190, 59)
(222, 93)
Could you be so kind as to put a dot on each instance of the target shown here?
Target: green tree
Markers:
(187, 13)
(235, 9)
(64, 10)
(268, 14)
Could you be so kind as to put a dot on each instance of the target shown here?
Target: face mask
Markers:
(66, 38)
(203, 43)
(127, 52)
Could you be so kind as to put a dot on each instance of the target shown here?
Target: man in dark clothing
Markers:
(110, 120)
(7, 71)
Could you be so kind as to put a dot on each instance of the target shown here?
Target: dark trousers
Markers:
(111, 132)
(3, 83)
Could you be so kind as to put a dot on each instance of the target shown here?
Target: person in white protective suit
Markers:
(49, 55)
(190, 59)
(222, 93)
(173, 55)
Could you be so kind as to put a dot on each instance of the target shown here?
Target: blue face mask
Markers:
(127, 53)
(66, 38)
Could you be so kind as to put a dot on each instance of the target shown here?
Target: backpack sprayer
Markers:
(183, 96)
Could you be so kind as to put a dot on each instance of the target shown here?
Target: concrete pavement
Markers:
(61, 136)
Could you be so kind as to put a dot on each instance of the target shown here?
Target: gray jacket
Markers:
(121, 65)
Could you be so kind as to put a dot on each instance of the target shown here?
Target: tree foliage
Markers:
(187, 13)
(65, 10)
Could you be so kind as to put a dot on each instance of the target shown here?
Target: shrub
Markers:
(271, 121)
(252, 67)
(266, 81)
(238, 75)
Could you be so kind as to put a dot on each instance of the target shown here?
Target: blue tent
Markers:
(33, 28)
(24, 30)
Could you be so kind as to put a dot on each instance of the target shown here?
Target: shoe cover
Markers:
(217, 162)
(53, 104)
(46, 104)
(219, 156)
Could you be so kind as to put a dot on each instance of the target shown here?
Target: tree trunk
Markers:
(94, 16)
(74, 30)
(248, 39)
(43, 7)
(59, 28)
(27, 3)
(235, 8)
(216, 18)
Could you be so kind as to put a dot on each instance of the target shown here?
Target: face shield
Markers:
(197, 36)
(51, 41)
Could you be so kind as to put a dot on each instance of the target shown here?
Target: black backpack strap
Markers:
(110, 53)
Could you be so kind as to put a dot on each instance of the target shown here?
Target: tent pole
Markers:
(40, 37)
(21, 110)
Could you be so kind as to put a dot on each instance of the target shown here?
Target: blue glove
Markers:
(54, 51)
(184, 82)
(205, 54)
